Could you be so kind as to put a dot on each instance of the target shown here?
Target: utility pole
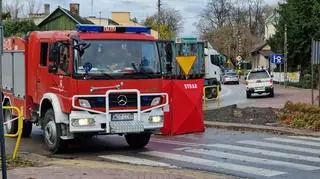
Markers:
(2, 141)
(158, 19)
(285, 56)
(92, 7)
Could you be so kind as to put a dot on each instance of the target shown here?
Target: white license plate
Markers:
(122, 117)
(259, 89)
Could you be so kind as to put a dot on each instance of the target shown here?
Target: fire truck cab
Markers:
(95, 80)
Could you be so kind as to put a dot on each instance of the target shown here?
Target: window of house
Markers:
(43, 54)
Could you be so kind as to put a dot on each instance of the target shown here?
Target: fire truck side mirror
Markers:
(53, 68)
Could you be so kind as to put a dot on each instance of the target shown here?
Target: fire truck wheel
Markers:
(27, 128)
(138, 141)
(11, 127)
(52, 132)
(211, 93)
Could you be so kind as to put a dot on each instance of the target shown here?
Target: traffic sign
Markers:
(186, 63)
(186, 40)
(277, 58)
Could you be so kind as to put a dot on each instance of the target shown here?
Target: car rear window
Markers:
(231, 74)
(258, 75)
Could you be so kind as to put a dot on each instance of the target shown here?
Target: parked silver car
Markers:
(230, 77)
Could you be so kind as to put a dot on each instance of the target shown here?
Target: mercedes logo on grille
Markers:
(122, 100)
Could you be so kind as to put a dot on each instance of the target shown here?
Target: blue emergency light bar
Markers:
(120, 29)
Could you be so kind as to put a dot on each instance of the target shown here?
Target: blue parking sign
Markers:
(277, 58)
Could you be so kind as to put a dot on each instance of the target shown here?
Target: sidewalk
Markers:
(263, 128)
(83, 169)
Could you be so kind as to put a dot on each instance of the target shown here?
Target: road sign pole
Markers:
(285, 66)
(312, 84)
(280, 74)
(312, 59)
(319, 82)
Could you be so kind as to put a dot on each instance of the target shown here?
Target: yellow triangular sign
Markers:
(186, 62)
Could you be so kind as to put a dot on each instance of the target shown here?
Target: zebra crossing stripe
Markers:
(305, 138)
(252, 159)
(266, 152)
(216, 164)
(136, 161)
(175, 142)
(278, 139)
(279, 146)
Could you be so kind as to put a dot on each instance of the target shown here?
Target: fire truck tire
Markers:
(52, 132)
(12, 127)
(27, 128)
(138, 141)
(211, 93)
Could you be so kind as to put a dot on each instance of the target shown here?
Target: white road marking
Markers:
(190, 144)
(252, 159)
(278, 139)
(279, 146)
(265, 152)
(227, 93)
(221, 165)
(306, 138)
(136, 161)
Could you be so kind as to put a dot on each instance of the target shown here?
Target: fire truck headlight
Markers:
(84, 103)
(155, 101)
(156, 119)
(82, 122)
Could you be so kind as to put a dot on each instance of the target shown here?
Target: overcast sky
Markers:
(140, 8)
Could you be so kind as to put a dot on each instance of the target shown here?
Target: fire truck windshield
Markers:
(119, 58)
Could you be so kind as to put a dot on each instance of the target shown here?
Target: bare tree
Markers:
(18, 8)
(170, 21)
(172, 18)
(215, 15)
(234, 26)
(32, 6)
(14, 7)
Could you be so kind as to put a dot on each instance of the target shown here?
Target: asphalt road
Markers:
(236, 94)
(241, 154)
(230, 94)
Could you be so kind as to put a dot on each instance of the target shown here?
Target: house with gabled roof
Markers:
(259, 55)
(63, 19)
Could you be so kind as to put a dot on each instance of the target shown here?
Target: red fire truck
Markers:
(94, 80)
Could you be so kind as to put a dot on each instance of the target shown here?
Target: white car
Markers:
(259, 81)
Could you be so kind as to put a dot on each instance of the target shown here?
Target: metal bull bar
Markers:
(206, 99)
(137, 110)
(20, 128)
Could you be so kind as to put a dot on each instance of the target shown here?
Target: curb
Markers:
(269, 129)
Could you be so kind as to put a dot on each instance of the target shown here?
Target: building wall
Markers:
(259, 61)
(98, 21)
(59, 22)
(38, 20)
(270, 30)
(123, 18)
